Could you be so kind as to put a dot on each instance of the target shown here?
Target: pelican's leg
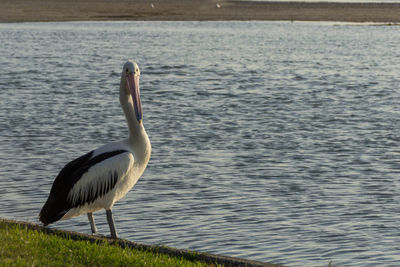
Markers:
(92, 224)
(110, 220)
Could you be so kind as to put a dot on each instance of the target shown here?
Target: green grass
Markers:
(21, 247)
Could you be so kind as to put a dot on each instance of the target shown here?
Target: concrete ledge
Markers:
(190, 255)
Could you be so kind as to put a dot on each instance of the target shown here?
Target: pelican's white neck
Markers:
(138, 139)
(129, 97)
(135, 128)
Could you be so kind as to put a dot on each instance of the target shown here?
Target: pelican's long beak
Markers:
(132, 81)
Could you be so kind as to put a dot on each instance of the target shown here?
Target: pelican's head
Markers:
(130, 80)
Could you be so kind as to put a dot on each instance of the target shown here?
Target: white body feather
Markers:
(128, 166)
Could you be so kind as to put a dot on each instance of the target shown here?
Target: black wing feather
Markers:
(57, 205)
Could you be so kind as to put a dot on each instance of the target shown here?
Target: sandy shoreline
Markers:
(75, 10)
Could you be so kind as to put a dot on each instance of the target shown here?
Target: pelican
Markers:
(101, 177)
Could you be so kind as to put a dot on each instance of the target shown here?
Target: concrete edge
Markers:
(186, 254)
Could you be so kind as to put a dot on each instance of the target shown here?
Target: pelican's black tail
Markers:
(57, 204)
(52, 211)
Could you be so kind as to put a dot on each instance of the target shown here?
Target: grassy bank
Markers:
(25, 243)
(22, 246)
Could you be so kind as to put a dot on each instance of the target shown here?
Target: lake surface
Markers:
(272, 141)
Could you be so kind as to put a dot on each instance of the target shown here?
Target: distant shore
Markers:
(198, 10)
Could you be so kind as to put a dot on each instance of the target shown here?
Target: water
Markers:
(277, 142)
